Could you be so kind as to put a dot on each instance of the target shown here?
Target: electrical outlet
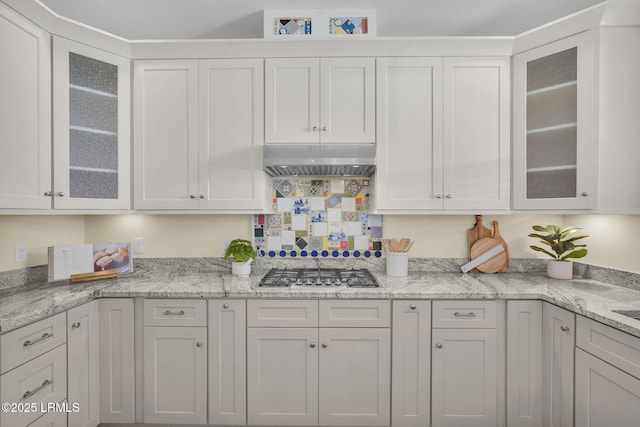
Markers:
(22, 253)
(138, 245)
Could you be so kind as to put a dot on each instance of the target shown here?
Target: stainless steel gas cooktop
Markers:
(318, 278)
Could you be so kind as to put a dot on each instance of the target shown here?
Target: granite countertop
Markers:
(201, 279)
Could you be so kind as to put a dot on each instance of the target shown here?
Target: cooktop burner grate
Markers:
(316, 278)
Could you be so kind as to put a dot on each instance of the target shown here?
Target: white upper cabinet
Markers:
(554, 125)
(443, 134)
(198, 134)
(91, 139)
(328, 100)
(25, 113)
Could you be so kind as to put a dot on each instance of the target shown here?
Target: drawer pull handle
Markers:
(174, 313)
(469, 314)
(44, 336)
(75, 325)
(565, 328)
(28, 394)
(412, 306)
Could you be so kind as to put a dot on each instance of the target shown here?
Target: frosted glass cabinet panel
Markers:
(91, 128)
(554, 114)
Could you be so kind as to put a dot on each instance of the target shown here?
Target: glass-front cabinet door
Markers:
(91, 94)
(554, 125)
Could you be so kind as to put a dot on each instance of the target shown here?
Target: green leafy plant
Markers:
(560, 240)
(241, 250)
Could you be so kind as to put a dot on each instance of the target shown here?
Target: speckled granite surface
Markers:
(428, 279)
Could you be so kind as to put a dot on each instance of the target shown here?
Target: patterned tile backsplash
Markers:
(319, 217)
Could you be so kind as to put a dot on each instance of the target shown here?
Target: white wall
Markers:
(611, 243)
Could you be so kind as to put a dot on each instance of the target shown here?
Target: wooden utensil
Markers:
(404, 244)
(98, 275)
(475, 233)
(394, 245)
(492, 265)
(498, 237)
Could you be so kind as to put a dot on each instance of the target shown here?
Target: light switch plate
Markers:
(138, 245)
(22, 253)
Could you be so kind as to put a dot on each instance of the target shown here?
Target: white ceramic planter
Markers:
(560, 269)
(241, 269)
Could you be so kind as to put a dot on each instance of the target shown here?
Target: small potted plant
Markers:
(562, 242)
(243, 254)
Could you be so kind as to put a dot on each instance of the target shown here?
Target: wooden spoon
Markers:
(404, 244)
(394, 245)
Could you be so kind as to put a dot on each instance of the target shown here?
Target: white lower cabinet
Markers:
(411, 364)
(524, 363)
(227, 362)
(558, 345)
(117, 368)
(51, 419)
(464, 370)
(319, 376)
(83, 371)
(282, 376)
(175, 361)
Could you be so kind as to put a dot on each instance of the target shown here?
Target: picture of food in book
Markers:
(114, 256)
(287, 26)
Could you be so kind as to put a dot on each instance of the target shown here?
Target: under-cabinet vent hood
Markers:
(320, 159)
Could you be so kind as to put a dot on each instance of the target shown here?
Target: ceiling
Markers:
(214, 19)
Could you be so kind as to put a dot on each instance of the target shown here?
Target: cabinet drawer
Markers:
(40, 381)
(31, 341)
(355, 313)
(51, 419)
(175, 312)
(282, 313)
(611, 345)
(464, 314)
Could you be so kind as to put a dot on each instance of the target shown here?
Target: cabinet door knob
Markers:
(449, 196)
(312, 344)
(565, 328)
(412, 306)
(75, 325)
(202, 196)
(60, 194)
(47, 193)
(438, 345)
(324, 128)
(225, 305)
(584, 194)
(191, 196)
(439, 196)
(199, 344)
(314, 129)
(324, 345)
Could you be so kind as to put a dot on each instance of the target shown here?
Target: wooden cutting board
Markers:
(475, 233)
(498, 237)
(494, 264)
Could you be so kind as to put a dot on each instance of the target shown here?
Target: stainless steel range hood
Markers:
(320, 159)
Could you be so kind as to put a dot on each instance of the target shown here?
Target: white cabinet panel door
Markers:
(282, 372)
(347, 100)
(409, 133)
(227, 362)
(477, 134)
(292, 100)
(83, 355)
(25, 113)
(231, 134)
(117, 372)
(524, 363)
(165, 120)
(464, 382)
(605, 395)
(558, 345)
(411, 369)
(355, 376)
(175, 375)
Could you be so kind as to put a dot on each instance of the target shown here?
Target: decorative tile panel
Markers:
(319, 217)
